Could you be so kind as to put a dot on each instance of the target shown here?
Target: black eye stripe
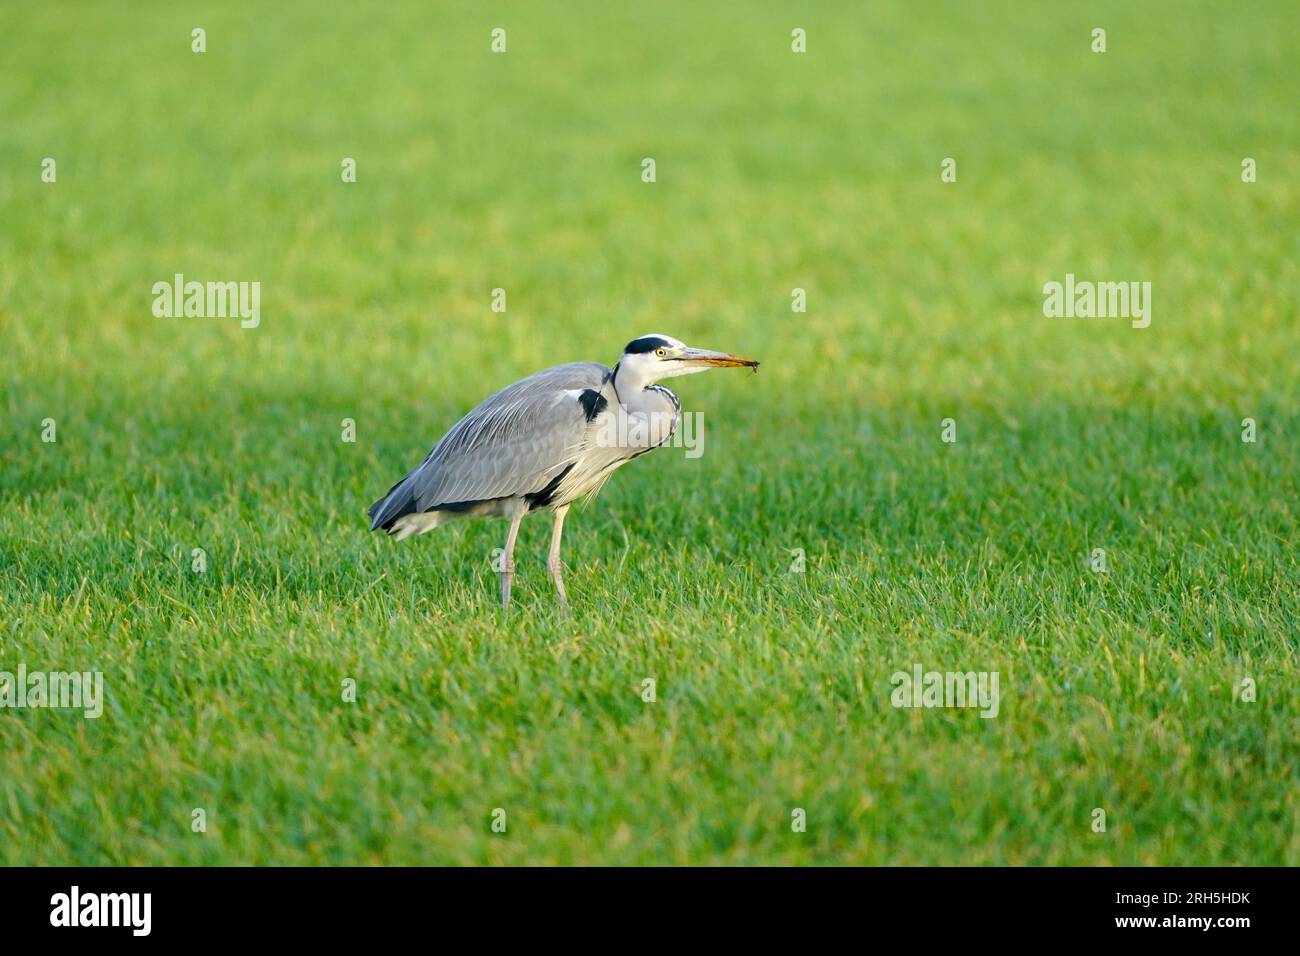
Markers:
(647, 343)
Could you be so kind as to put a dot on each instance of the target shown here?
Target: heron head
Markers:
(653, 357)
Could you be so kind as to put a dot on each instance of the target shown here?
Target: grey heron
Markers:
(544, 442)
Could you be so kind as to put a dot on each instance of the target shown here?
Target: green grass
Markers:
(775, 170)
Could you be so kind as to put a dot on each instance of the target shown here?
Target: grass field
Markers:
(774, 171)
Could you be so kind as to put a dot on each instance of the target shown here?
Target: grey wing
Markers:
(513, 443)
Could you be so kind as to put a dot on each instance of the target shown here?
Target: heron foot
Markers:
(554, 570)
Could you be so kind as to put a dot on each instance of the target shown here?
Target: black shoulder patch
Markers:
(647, 343)
(592, 402)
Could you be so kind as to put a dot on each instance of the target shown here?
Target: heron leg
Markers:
(553, 566)
(507, 572)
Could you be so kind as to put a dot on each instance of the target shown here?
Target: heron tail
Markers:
(398, 503)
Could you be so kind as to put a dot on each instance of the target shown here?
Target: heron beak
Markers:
(703, 358)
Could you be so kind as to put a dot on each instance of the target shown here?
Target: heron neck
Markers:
(635, 392)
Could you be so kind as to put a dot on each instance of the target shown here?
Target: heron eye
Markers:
(661, 352)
